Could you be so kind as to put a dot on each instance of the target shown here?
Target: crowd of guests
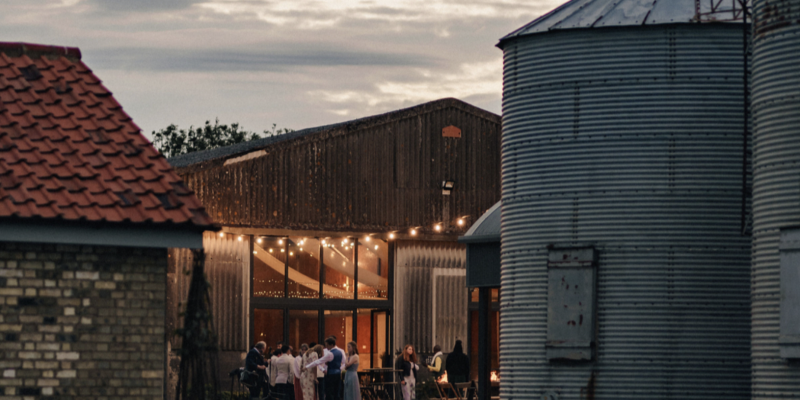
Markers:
(316, 372)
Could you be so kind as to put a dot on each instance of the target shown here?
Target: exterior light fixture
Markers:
(448, 186)
(437, 227)
(460, 222)
(413, 231)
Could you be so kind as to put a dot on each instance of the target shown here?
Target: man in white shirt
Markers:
(284, 373)
(298, 364)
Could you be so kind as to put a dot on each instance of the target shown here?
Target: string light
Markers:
(240, 238)
(270, 250)
(258, 241)
(413, 232)
(460, 222)
(291, 253)
(391, 236)
(255, 252)
(280, 241)
(221, 234)
(366, 239)
(376, 247)
(437, 227)
(283, 250)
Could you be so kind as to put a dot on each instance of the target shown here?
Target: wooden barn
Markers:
(348, 230)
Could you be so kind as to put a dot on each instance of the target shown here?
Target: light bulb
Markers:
(391, 236)
(345, 240)
(221, 234)
(437, 227)
(280, 241)
(258, 241)
(301, 249)
(460, 222)
(366, 239)
(283, 250)
(255, 252)
(240, 238)
(270, 250)
(376, 247)
(291, 253)
(413, 232)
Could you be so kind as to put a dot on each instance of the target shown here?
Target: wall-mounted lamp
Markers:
(447, 187)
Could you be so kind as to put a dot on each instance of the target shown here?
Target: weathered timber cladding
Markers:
(375, 174)
(82, 322)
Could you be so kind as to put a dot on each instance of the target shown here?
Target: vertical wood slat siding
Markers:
(384, 176)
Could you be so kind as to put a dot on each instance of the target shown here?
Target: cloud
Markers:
(140, 6)
(470, 80)
(245, 58)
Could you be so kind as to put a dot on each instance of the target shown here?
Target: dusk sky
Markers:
(297, 64)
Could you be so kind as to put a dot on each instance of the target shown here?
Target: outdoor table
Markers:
(379, 386)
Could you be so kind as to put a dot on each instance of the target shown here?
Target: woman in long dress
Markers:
(409, 366)
(352, 390)
(309, 379)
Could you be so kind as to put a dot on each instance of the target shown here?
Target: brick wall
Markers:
(81, 322)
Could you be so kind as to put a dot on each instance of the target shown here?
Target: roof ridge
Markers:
(238, 149)
(18, 49)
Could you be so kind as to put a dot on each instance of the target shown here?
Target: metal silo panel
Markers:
(776, 184)
(629, 141)
(430, 288)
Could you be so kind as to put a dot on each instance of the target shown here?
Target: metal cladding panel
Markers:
(776, 184)
(430, 294)
(630, 141)
(228, 271)
(381, 175)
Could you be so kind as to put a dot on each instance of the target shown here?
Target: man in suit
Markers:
(254, 363)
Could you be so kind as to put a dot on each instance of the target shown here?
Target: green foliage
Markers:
(173, 141)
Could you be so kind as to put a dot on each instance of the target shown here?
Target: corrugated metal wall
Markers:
(629, 141)
(776, 183)
(379, 175)
(228, 271)
(430, 289)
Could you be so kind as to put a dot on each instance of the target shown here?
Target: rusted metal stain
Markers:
(381, 173)
(451, 131)
(775, 14)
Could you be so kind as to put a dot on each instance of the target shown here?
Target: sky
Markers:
(297, 64)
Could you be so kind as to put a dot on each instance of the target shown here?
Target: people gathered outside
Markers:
(457, 366)
(283, 373)
(298, 374)
(332, 361)
(437, 364)
(254, 363)
(352, 389)
(407, 363)
(309, 375)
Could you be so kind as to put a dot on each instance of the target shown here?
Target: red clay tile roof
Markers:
(69, 152)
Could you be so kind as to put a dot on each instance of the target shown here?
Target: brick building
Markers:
(87, 211)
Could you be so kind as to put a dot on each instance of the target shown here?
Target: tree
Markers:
(173, 141)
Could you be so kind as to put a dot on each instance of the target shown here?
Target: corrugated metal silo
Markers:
(776, 193)
(624, 171)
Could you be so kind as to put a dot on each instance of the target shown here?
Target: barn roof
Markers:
(190, 159)
(68, 152)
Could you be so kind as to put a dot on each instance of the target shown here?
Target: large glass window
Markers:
(303, 327)
(303, 268)
(269, 267)
(268, 326)
(339, 323)
(373, 269)
(338, 258)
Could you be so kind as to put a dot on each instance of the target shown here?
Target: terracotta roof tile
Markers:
(68, 151)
